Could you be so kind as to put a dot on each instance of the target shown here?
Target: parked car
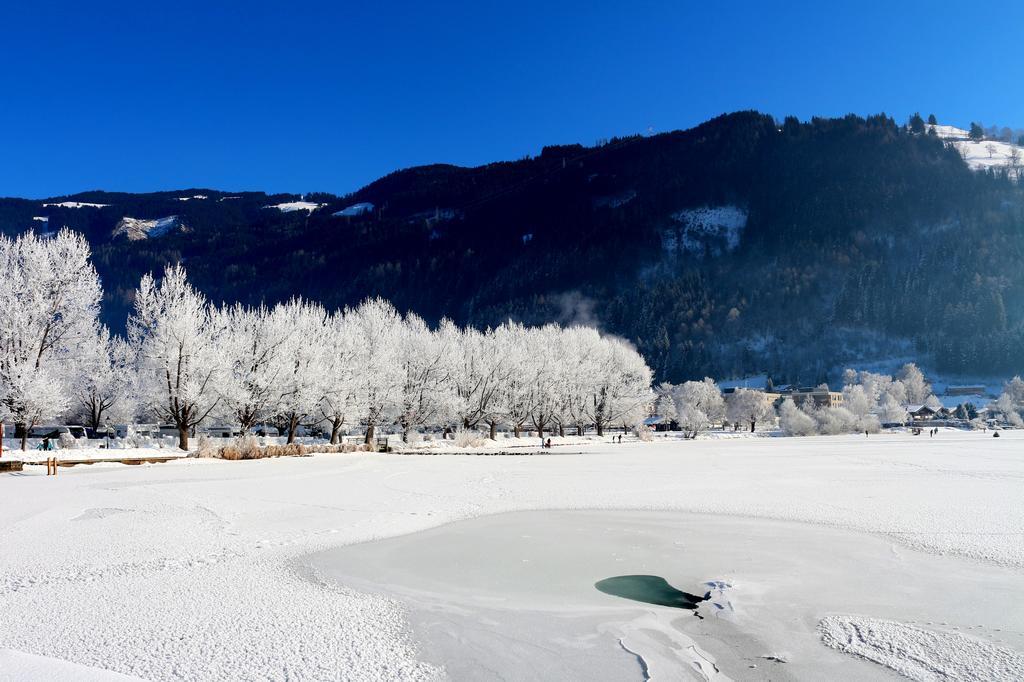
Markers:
(265, 430)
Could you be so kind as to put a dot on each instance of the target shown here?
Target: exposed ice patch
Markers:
(921, 654)
(703, 230)
(137, 228)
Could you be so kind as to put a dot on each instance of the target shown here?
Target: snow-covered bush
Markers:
(794, 421)
(248, 446)
(468, 438)
(643, 433)
(835, 420)
(205, 447)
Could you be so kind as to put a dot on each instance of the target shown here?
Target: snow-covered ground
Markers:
(200, 569)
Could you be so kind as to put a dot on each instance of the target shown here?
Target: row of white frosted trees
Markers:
(188, 362)
(870, 399)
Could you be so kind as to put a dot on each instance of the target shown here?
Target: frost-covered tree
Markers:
(376, 332)
(105, 371)
(933, 403)
(704, 397)
(1005, 406)
(513, 400)
(917, 387)
(891, 410)
(339, 402)
(794, 421)
(1015, 389)
(427, 394)
(692, 420)
(665, 404)
(746, 405)
(622, 393)
(177, 345)
(300, 386)
(49, 302)
(253, 345)
(543, 376)
(479, 369)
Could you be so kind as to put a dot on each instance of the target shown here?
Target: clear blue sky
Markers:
(297, 96)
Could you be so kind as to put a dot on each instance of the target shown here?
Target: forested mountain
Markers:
(739, 246)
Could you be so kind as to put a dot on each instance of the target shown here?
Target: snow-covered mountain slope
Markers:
(711, 229)
(982, 154)
(77, 204)
(290, 206)
(355, 209)
(137, 228)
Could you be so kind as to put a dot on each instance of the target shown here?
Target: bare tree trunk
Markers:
(335, 431)
(183, 437)
(293, 424)
(561, 430)
(494, 430)
(752, 423)
(369, 434)
(600, 428)
(516, 430)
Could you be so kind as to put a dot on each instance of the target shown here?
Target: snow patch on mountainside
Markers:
(355, 209)
(292, 206)
(76, 204)
(137, 228)
(981, 154)
(921, 654)
(709, 229)
(990, 154)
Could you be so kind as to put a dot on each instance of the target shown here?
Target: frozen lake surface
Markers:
(520, 596)
(201, 569)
